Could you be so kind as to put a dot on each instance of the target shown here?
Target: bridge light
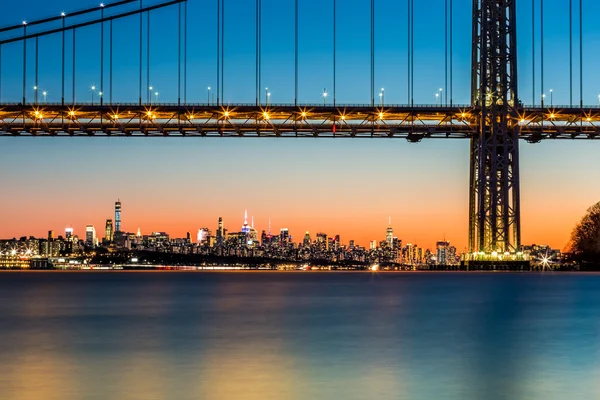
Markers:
(380, 115)
(226, 114)
(266, 115)
(552, 116)
(71, 113)
(101, 5)
(343, 117)
(24, 22)
(303, 114)
(191, 117)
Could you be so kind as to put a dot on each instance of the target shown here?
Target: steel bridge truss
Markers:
(411, 123)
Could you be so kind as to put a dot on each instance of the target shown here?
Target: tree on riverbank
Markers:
(585, 238)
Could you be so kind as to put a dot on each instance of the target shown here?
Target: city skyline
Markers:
(198, 196)
(346, 184)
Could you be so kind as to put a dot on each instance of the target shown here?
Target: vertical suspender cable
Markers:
(445, 52)
(218, 50)
(542, 50)
(24, 64)
(223, 50)
(111, 62)
(185, 52)
(62, 96)
(412, 51)
(571, 53)
(101, 58)
(256, 84)
(581, 53)
(534, 94)
(179, 55)
(296, 55)
(141, 35)
(148, 57)
(372, 53)
(334, 50)
(37, 68)
(408, 95)
(73, 67)
(451, 48)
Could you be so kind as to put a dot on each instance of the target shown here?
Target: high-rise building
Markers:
(118, 216)
(322, 243)
(108, 231)
(442, 252)
(220, 233)
(307, 240)
(284, 235)
(90, 235)
(389, 237)
(245, 227)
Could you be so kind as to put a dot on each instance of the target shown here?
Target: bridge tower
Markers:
(494, 204)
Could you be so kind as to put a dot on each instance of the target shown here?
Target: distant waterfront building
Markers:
(220, 233)
(246, 227)
(322, 242)
(373, 245)
(284, 235)
(442, 252)
(108, 231)
(118, 216)
(68, 233)
(307, 240)
(389, 237)
(90, 235)
(203, 235)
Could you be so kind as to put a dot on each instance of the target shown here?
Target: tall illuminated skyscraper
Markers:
(108, 234)
(90, 235)
(118, 216)
(220, 233)
(245, 227)
(389, 237)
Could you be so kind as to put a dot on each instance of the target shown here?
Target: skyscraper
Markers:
(118, 216)
(307, 240)
(108, 234)
(389, 237)
(220, 233)
(245, 227)
(442, 252)
(90, 235)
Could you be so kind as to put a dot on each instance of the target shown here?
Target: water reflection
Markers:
(299, 336)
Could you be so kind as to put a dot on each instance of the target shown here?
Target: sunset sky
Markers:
(346, 187)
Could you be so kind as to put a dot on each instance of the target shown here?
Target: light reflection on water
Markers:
(299, 336)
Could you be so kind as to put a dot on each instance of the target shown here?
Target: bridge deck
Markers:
(282, 120)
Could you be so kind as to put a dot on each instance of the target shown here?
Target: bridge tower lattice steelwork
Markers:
(494, 204)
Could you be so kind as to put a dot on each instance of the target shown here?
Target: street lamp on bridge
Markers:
(551, 98)
(156, 94)
(324, 94)
(93, 89)
(382, 96)
(44, 93)
(208, 96)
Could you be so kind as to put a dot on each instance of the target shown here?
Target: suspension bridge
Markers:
(493, 122)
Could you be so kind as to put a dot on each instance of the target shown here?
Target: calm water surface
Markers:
(299, 336)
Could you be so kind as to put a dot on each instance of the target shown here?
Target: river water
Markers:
(279, 336)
